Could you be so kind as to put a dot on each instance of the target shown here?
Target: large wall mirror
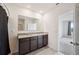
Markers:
(27, 23)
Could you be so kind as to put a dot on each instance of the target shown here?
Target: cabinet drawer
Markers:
(23, 40)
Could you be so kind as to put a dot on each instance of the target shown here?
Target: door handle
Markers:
(72, 43)
(76, 44)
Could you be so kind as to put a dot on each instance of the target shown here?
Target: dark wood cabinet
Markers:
(45, 40)
(24, 46)
(29, 44)
(40, 41)
(33, 42)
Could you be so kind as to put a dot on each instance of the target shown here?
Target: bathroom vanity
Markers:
(29, 42)
(30, 36)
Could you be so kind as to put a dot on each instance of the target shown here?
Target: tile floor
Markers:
(45, 51)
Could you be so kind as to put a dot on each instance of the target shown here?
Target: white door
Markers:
(65, 41)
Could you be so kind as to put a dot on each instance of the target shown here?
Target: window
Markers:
(67, 28)
(70, 28)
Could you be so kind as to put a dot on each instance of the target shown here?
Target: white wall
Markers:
(50, 20)
(13, 23)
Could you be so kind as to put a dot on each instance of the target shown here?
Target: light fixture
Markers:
(28, 6)
(41, 11)
(57, 3)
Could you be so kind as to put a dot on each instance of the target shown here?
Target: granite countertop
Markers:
(25, 35)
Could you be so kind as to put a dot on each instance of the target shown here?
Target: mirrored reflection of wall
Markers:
(21, 24)
(27, 23)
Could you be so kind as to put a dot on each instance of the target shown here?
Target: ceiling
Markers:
(38, 7)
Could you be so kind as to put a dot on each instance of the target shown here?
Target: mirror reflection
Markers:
(27, 23)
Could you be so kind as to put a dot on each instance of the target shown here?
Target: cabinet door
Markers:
(33, 43)
(24, 46)
(40, 41)
(45, 40)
